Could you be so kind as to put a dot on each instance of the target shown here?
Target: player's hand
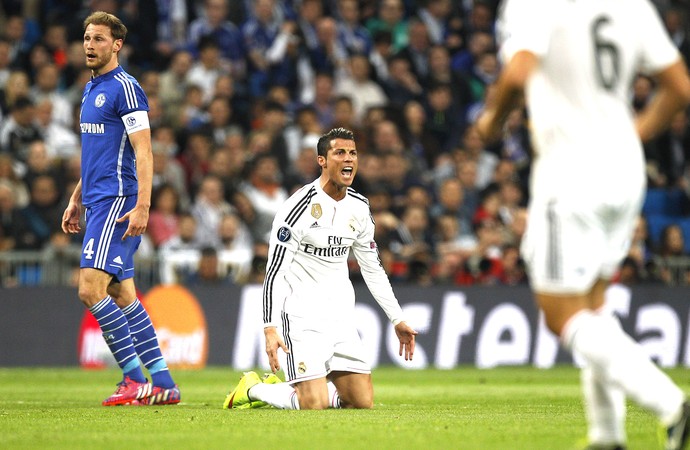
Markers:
(273, 342)
(138, 221)
(406, 336)
(70, 219)
(488, 128)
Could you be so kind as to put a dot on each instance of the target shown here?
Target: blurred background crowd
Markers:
(240, 90)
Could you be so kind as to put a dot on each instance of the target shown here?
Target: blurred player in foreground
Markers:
(575, 61)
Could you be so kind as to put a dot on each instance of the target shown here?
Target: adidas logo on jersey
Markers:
(118, 260)
(314, 225)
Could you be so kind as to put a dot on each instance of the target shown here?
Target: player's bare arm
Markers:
(509, 90)
(406, 336)
(139, 216)
(273, 343)
(673, 95)
(70, 218)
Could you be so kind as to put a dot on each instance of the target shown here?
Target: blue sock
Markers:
(116, 334)
(146, 344)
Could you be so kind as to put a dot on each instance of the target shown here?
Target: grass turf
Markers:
(465, 408)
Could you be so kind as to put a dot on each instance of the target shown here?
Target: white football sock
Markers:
(620, 361)
(279, 395)
(284, 396)
(604, 409)
(333, 397)
(604, 403)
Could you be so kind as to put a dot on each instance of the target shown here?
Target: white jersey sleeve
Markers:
(657, 50)
(283, 244)
(524, 25)
(366, 252)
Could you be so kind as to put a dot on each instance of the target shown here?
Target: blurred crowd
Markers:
(240, 90)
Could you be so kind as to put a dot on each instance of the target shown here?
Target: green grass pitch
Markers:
(464, 408)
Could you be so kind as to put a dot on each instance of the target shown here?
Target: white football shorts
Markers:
(319, 347)
(572, 242)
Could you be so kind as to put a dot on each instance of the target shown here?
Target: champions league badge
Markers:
(100, 100)
(284, 234)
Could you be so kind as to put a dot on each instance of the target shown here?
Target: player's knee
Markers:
(89, 295)
(364, 402)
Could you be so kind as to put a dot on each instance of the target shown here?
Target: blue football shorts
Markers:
(103, 247)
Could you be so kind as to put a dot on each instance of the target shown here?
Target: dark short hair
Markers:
(117, 28)
(324, 143)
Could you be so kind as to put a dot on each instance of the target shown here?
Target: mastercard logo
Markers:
(180, 324)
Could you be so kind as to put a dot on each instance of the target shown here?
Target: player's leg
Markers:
(145, 340)
(617, 358)
(115, 329)
(355, 390)
(605, 407)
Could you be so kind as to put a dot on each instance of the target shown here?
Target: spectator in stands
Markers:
(266, 194)
(670, 269)
(219, 120)
(180, 252)
(39, 162)
(443, 117)
(173, 82)
(195, 158)
(266, 37)
(359, 86)
(56, 42)
(61, 142)
(207, 272)
(441, 72)
(390, 17)
(163, 218)
(479, 42)
(214, 26)
(353, 36)
(640, 253)
(411, 239)
(17, 86)
(8, 211)
(670, 152)
(401, 85)
(207, 68)
(40, 220)
(436, 15)
(303, 131)
(329, 55)
(166, 168)
(677, 26)
(308, 14)
(418, 135)
(5, 62)
(22, 34)
(235, 252)
(208, 208)
(227, 169)
(473, 148)
(18, 132)
(417, 49)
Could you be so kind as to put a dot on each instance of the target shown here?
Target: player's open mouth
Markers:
(90, 56)
(347, 172)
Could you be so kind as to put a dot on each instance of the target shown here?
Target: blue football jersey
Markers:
(108, 111)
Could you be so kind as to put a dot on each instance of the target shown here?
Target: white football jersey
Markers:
(307, 272)
(578, 99)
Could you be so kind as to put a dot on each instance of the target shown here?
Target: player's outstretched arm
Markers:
(70, 218)
(406, 336)
(273, 342)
